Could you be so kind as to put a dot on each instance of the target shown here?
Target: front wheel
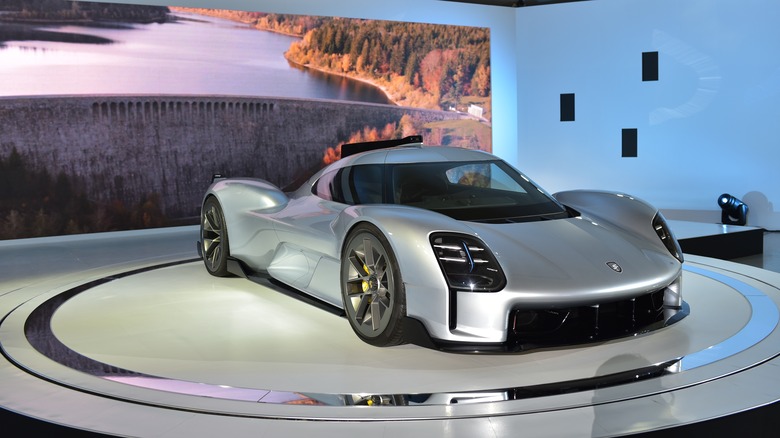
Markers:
(371, 287)
(214, 238)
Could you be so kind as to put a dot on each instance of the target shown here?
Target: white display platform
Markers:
(153, 346)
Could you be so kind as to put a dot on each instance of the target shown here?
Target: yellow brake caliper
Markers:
(365, 284)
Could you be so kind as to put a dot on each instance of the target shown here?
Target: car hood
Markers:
(577, 259)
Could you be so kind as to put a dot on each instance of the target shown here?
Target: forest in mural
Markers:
(419, 65)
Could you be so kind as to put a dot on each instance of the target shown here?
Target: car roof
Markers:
(414, 154)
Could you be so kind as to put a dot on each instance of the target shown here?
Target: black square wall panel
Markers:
(629, 143)
(567, 107)
(650, 66)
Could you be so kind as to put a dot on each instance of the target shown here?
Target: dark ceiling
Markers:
(514, 3)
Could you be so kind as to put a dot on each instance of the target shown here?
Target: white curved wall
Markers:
(706, 127)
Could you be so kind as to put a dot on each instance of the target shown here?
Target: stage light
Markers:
(733, 211)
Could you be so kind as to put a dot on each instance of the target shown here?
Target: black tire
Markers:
(371, 287)
(214, 238)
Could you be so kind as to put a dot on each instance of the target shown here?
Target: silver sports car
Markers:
(450, 248)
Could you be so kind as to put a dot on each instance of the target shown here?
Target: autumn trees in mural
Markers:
(421, 65)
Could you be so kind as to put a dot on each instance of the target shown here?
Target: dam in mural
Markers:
(127, 147)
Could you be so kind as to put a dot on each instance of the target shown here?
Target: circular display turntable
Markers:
(163, 348)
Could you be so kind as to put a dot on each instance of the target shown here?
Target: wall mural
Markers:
(115, 117)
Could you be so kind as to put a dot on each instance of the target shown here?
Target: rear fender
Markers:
(243, 202)
(247, 194)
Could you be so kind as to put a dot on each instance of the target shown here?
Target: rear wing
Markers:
(348, 149)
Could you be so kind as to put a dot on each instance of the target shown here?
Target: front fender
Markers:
(627, 212)
(408, 230)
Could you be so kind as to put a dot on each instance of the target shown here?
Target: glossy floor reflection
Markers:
(770, 259)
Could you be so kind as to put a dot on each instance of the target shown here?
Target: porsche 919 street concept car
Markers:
(450, 248)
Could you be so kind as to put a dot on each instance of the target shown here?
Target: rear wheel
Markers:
(371, 287)
(214, 238)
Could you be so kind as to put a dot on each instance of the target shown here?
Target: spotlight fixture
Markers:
(733, 211)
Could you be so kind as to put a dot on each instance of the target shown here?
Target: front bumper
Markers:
(513, 327)
(568, 335)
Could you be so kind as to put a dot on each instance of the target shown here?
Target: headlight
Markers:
(666, 236)
(467, 263)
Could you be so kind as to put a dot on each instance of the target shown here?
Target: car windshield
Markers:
(489, 191)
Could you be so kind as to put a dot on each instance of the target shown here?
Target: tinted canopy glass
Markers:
(482, 191)
(489, 191)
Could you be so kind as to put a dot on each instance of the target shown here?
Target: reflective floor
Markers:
(770, 259)
(148, 344)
